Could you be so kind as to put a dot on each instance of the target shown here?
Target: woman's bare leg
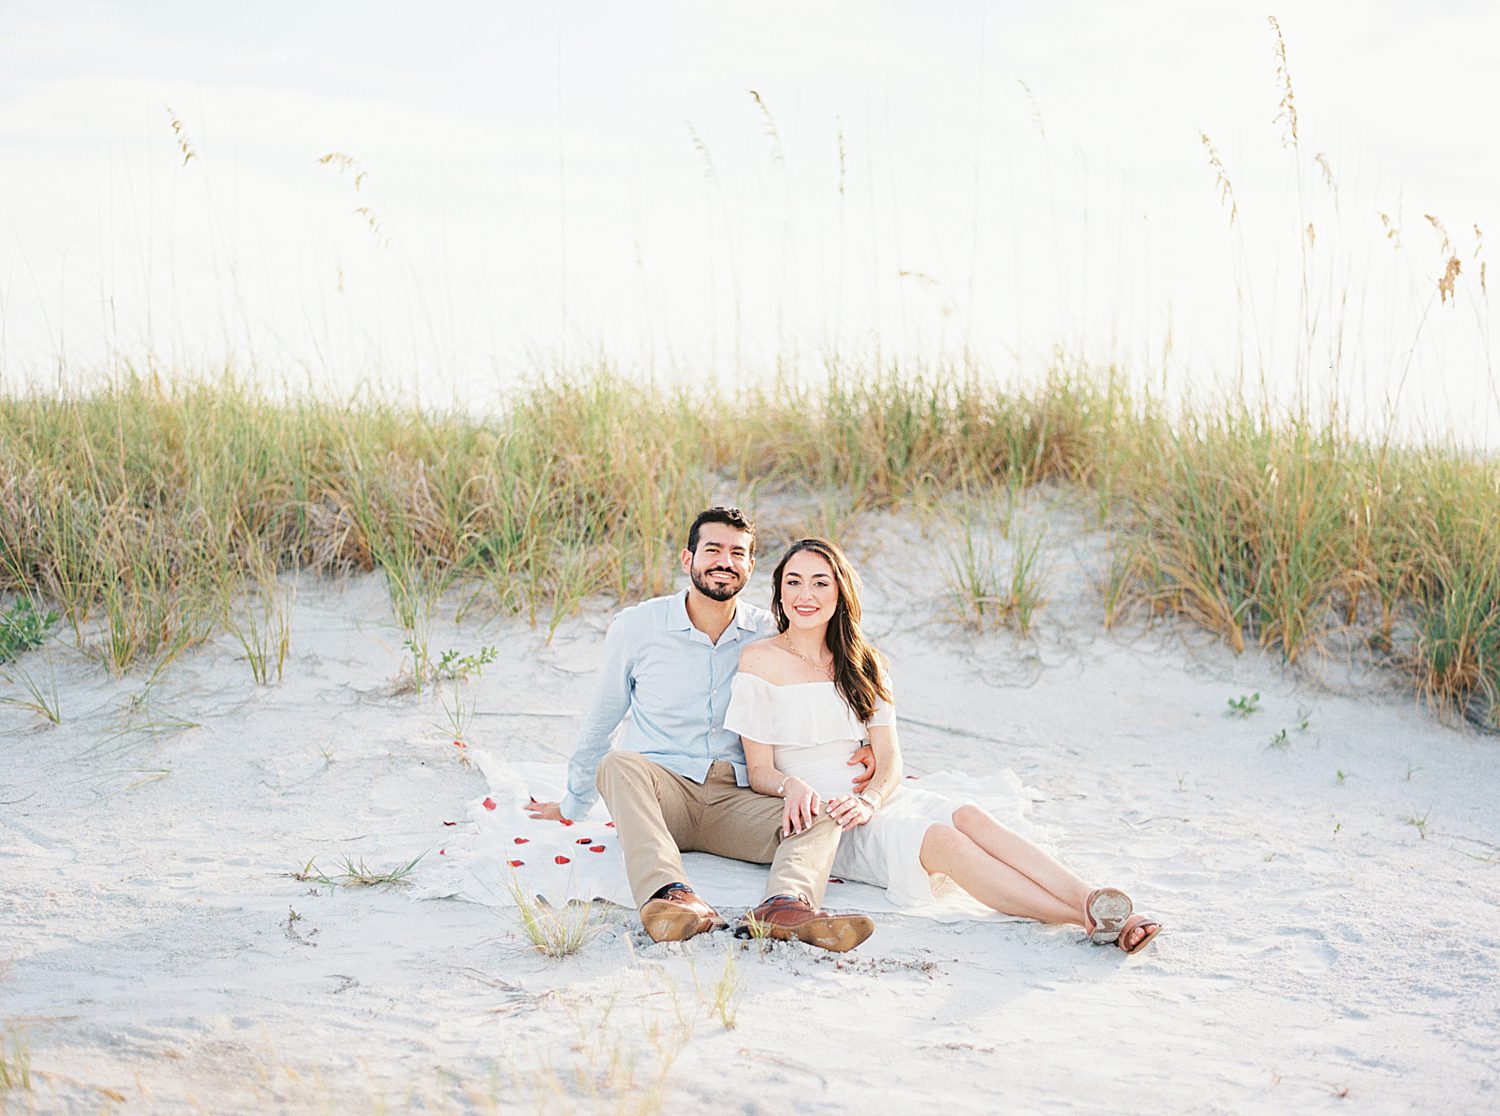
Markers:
(1011, 848)
(990, 880)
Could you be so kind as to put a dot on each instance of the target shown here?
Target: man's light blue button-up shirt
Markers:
(674, 682)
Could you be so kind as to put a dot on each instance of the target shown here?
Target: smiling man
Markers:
(675, 779)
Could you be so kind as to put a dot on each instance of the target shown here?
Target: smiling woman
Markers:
(812, 701)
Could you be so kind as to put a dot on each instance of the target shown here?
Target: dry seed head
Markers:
(1322, 161)
(344, 163)
(1392, 230)
(1479, 256)
(1312, 234)
(348, 163)
(702, 149)
(1036, 112)
(377, 226)
(179, 131)
(1287, 109)
(840, 121)
(1447, 248)
(778, 156)
(1450, 276)
(1221, 177)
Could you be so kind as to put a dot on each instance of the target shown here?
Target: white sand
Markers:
(1321, 952)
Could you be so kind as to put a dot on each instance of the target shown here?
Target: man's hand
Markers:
(865, 756)
(544, 811)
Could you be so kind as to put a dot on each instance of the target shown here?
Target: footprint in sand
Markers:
(1309, 950)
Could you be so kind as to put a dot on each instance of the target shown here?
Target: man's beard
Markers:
(713, 591)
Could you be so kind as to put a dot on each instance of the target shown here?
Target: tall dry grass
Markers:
(145, 510)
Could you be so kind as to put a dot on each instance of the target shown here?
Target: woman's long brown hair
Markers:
(858, 669)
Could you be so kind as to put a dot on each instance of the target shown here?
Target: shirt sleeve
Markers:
(610, 704)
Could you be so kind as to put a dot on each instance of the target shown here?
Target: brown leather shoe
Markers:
(678, 915)
(783, 917)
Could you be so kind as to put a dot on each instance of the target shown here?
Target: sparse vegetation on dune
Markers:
(143, 509)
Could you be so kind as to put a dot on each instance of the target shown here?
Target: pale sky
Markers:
(545, 184)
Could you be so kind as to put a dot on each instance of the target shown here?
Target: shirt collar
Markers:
(677, 615)
(744, 617)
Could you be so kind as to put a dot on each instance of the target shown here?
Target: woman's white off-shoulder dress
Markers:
(814, 732)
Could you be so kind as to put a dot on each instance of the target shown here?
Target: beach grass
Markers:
(555, 932)
(152, 514)
(15, 1062)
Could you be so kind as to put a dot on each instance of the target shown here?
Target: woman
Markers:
(805, 699)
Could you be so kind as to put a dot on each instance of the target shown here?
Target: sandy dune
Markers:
(1330, 895)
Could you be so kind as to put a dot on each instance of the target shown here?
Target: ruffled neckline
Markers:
(784, 685)
(790, 714)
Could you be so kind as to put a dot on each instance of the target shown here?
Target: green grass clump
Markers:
(356, 873)
(556, 932)
(1287, 533)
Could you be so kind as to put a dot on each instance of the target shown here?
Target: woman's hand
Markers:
(800, 805)
(850, 810)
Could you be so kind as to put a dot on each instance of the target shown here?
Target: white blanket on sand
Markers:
(495, 847)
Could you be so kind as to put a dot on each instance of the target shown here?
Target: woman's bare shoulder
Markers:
(764, 660)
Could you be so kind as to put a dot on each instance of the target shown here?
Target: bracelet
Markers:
(781, 790)
(867, 795)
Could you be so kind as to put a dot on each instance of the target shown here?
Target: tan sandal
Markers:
(1138, 922)
(1105, 912)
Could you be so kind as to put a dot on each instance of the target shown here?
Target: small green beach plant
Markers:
(23, 628)
(1244, 705)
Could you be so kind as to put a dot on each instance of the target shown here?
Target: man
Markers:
(676, 780)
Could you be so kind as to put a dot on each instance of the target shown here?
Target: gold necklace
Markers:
(828, 670)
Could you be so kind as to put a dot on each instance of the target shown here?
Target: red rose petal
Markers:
(584, 841)
(596, 848)
(489, 803)
(610, 824)
(515, 863)
(442, 852)
(834, 879)
(567, 821)
(450, 823)
(521, 840)
(561, 860)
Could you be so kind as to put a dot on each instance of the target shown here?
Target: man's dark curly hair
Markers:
(721, 513)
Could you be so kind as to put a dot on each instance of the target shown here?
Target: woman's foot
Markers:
(1105, 912)
(1137, 932)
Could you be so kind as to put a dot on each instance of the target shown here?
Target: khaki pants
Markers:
(659, 815)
